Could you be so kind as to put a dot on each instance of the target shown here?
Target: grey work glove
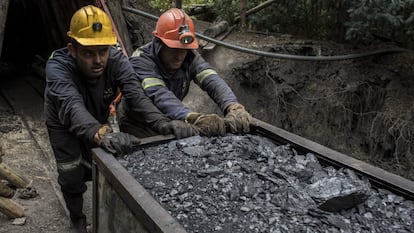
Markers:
(116, 143)
(208, 124)
(180, 129)
(237, 119)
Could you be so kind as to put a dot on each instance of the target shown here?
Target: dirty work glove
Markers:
(115, 143)
(208, 124)
(237, 119)
(119, 143)
(180, 129)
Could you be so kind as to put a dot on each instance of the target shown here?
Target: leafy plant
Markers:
(163, 5)
(380, 19)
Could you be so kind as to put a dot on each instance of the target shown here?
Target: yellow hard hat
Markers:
(91, 26)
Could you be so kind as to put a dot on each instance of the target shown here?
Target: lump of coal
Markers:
(249, 184)
(340, 191)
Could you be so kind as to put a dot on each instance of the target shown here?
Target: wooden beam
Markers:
(12, 177)
(11, 208)
(213, 31)
(4, 8)
(216, 29)
(255, 9)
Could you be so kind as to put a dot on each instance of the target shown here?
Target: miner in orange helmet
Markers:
(167, 65)
(81, 81)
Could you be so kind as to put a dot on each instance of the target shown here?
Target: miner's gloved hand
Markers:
(180, 129)
(237, 119)
(116, 143)
(208, 124)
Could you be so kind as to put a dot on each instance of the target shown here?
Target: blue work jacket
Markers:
(80, 108)
(167, 90)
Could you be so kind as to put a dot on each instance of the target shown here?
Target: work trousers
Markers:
(73, 159)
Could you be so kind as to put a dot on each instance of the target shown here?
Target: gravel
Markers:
(249, 184)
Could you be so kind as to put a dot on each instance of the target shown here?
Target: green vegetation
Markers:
(358, 21)
(386, 20)
(163, 5)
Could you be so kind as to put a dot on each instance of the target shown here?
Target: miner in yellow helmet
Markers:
(81, 81)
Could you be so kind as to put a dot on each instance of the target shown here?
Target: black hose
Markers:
(139, 12)
(278, 55)
(298, 57)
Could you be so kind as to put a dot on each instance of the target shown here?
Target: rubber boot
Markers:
(79, 225)
(74, 203)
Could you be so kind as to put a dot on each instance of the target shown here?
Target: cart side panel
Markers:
(113, 215)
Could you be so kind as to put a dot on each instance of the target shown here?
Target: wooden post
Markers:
(177, 4)
(11, 208)
(243, 6)
(4, 7)
(12, 177)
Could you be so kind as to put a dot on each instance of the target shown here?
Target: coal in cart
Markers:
(123, 203)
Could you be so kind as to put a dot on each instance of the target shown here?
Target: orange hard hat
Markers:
(176, 29)
(91, 26)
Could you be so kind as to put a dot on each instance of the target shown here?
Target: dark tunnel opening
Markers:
(25, 38)
(33, 29)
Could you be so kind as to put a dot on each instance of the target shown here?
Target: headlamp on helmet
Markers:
(97, 27)
(185, 35)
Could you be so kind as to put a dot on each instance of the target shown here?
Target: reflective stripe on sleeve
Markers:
(52, 54)
(204, 74)
(150, 82)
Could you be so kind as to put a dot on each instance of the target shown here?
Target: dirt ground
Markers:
(27, 152)
(361, 107)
